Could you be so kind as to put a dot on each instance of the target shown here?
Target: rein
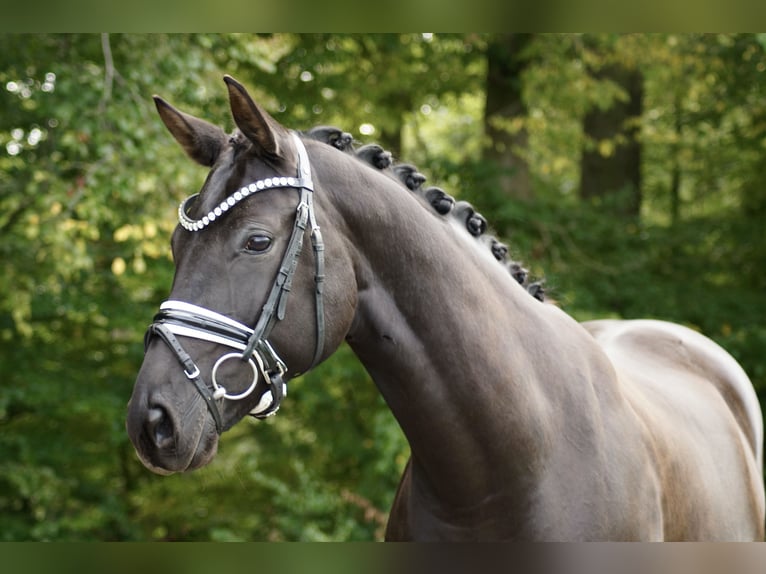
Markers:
(252, 345)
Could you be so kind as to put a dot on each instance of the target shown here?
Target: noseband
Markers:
(251, 344)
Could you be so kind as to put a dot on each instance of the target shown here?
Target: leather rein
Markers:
(251, 345)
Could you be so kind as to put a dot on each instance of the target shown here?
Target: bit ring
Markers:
(220, 390)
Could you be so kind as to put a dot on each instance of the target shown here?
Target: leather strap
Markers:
(190, 369)
(318, 245)
(276, 304)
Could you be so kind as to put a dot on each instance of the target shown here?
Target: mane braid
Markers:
(442, 203)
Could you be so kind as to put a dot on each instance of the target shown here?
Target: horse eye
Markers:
(258, 243)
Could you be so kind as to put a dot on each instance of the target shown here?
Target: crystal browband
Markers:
(198, 224)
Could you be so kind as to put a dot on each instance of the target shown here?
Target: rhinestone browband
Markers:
(196, 225)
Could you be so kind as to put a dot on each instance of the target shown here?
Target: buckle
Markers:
(193, 375)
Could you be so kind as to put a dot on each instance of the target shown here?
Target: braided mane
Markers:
(441, 202)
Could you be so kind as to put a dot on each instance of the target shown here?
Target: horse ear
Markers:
(201, 140)
(253, 121)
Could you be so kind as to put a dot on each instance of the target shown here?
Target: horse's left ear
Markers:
(253, 121)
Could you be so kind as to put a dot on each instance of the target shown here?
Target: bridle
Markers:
(251, 344)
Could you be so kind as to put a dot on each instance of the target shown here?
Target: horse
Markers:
(523, 424)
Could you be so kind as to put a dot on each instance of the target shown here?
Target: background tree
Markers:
(504, 114)
(369, 83)
(611, 157)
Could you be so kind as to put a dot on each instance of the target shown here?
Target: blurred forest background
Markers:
(628, 170)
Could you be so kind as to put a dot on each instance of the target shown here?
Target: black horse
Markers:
(523, 423)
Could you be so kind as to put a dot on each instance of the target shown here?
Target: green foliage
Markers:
(89, 184)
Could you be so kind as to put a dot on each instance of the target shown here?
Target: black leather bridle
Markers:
(251, 344)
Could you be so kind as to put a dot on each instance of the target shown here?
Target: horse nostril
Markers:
(160, 427)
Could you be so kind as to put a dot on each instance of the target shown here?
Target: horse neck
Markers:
(455, 346)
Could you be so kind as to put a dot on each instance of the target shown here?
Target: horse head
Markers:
(226, 341)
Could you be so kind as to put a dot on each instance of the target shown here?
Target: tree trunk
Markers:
(675, 183)
(504, 104)
(611, 164)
